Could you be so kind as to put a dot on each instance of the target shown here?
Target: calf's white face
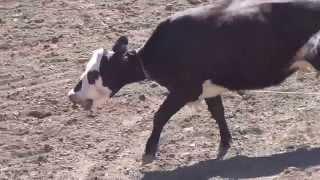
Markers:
(90, 90)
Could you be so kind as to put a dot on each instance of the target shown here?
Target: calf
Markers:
(202, 52)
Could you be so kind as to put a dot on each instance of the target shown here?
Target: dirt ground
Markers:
(44, 46)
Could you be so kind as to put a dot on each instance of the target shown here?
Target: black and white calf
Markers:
(202, 52)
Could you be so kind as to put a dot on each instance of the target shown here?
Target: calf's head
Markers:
(105, 74)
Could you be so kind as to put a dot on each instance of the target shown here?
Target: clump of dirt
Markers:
(39, 114)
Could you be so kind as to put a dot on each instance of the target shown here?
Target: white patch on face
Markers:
(94, 62)
(97, 92)
(211, 90)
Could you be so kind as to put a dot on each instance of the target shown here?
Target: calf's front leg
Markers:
(173, 103)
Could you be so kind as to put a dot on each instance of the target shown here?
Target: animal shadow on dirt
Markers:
(241, 166)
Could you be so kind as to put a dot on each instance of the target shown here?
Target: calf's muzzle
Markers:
(86, 104)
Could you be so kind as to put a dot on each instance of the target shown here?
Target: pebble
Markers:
(194, 2)
(154, 85)
(55, 40)
(4, 46)
(169, 7)
(142, 97)
(46, 46)
(38, 20)
(189, 129)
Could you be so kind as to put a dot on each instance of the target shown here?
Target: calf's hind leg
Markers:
(215, 106)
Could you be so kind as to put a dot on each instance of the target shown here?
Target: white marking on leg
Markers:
(211, 90)
(208, 90)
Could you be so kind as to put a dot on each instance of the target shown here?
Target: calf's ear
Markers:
(121, 45)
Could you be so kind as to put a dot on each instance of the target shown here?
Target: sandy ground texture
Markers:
(44, 45)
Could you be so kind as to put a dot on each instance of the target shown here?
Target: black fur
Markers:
(243, 52)
(118, 70)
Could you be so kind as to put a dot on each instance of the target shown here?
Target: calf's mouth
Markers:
(85, 104)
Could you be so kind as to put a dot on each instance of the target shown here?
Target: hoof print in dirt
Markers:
(222, 151)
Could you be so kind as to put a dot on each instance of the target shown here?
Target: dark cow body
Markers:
(231, 46)
(241, 51)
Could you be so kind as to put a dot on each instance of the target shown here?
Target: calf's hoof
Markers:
(148, 158)
(223, 149)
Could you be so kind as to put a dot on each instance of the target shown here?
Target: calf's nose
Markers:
(72, 97)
